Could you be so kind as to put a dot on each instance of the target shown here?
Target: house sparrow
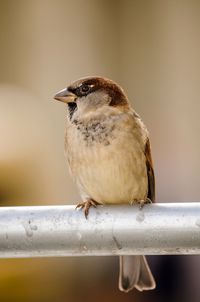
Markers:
(109, 155)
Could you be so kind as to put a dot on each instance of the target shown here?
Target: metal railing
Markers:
(167, 228)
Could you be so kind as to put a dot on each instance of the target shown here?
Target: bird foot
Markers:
(143, 202)
(85, 205)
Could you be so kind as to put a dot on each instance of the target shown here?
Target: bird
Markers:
(108, 152)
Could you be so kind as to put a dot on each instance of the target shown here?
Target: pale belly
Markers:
(111, 174)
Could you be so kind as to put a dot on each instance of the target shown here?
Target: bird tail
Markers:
(135, 272)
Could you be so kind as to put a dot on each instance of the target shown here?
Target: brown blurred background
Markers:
(152, 49)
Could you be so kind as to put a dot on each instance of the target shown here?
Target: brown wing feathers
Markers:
(150, 172)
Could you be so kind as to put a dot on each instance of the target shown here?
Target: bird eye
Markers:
(84, 88)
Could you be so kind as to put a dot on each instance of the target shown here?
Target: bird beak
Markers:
(65, 96)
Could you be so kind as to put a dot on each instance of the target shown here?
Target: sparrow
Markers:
(108, 152)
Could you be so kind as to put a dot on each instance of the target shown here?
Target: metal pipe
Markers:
(109, 230)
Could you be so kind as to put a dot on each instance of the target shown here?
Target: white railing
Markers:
(43, 231)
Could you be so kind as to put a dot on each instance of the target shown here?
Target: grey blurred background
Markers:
(152, 49)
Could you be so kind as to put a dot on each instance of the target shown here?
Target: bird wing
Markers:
(150, 172)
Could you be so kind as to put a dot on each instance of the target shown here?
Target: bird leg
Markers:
(85, 205)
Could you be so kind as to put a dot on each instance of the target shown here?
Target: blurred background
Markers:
(152, 49)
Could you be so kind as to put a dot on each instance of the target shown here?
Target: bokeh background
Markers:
(151, 48)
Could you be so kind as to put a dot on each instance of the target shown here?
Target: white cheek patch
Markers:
(92, 102)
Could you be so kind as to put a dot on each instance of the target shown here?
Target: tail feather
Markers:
(135, 272)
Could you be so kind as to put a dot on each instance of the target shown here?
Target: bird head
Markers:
(92, 94)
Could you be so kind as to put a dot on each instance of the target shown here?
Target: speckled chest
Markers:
(102, 137)
(106, 159)
(95, 132)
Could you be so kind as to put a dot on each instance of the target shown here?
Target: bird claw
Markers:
(85, 205)
(143, 202)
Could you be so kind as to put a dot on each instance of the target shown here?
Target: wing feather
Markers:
(150, 172)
